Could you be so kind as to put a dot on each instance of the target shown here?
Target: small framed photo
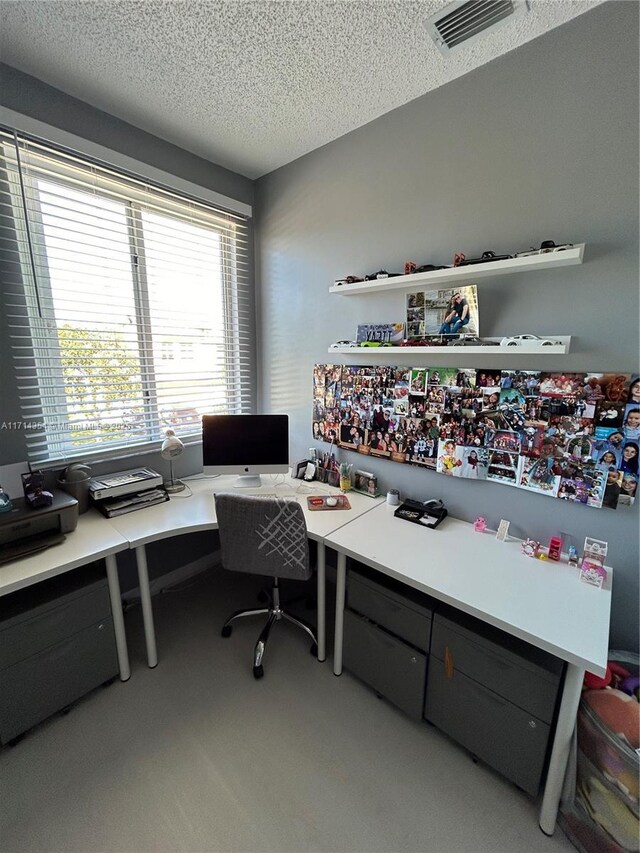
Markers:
(365, 482)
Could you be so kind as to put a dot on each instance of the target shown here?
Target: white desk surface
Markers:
(93, 539)
(182, 514)
(542, 602)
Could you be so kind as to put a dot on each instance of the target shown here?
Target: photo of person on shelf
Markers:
(456, 316)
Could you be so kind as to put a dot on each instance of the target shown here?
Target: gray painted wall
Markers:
(539, 144)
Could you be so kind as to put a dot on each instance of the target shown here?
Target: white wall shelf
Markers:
(460, 353)
(458, 276)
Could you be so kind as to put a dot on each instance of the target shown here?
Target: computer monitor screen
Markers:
(248, 445)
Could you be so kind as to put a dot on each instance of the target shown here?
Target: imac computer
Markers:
(247, 445)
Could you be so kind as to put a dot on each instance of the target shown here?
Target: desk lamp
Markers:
(171, 448)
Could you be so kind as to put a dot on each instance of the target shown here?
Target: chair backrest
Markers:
(263, 536)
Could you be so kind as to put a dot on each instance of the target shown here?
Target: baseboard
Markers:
(175, 576)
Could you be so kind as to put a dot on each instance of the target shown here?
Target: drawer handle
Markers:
(448, 662)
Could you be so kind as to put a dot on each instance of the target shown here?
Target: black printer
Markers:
(24, 530)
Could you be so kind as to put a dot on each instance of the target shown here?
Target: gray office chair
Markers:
(264, 536)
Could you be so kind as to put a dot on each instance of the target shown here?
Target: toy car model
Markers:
(423, 342)
(348, 279)
(380, 274)
(532, 340)
(375, 344)
(340, 344)
(471, 341)
(545, 247)
(484, 258)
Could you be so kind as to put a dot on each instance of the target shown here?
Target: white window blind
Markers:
(128, 306)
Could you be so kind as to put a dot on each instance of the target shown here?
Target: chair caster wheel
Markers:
(313, 651)
(226, 631)
(258, 671)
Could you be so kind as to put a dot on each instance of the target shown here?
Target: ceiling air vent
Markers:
(460, 22)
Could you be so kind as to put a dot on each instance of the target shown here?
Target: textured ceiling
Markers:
(251, 84)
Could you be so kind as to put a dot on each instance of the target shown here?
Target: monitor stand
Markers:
(248, 481)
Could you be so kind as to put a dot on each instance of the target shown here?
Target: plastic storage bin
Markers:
(602, 816)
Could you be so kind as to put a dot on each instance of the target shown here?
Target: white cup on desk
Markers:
(393, 497)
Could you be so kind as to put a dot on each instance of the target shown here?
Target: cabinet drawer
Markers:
(502, 735)
(35, 688)
(390, 666)
(526, 683)
(403, 618)
(24, 636)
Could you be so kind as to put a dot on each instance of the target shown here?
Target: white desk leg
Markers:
(118, 619)
(339, 631)
(561, 745)
(321, 570)
(147, 611)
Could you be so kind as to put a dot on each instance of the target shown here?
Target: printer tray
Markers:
(30, 545)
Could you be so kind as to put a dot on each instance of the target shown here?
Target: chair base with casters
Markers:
(275, 614)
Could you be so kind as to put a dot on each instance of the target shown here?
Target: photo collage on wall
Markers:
(572, 436)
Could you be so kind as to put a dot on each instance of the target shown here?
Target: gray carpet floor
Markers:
(196, 755)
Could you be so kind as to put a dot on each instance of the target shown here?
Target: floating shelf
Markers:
(460, 353)
(458, 276)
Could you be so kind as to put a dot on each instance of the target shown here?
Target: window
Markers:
(128, 305)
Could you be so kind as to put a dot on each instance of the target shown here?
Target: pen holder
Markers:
(334, 478)
(321, 474)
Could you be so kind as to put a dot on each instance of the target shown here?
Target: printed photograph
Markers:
(631, 422)
(506, 440)
(579, 489)
(561, 384)
(532, 437)
(451, 311)
(503, 467)
(444, 376)
(628, 490)
(512, 397)
(488, 379)
(612, 489)
(629, 459)
(379, 443)
(537, 476)
(417, 406)
(466, 378)
(609, 414)
(351, 436)
(634, 390)
(417, 381)
(449, 458)
(475, 463)
(527, 382)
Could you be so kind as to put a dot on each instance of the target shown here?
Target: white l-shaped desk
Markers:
(541, 603)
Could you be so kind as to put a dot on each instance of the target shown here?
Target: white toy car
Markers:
(530, 340)
(341, 344)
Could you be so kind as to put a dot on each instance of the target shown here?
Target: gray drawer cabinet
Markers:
(494, 694)
(56, 644)
(386, 638)
(394, 669)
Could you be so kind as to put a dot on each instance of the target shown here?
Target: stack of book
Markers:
(111, 507)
